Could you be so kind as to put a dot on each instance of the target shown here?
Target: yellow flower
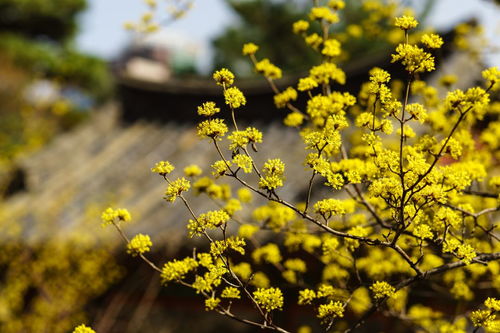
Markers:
(283, 98)
(417, 111)
(492, 303)
(224, 77)
(177, 269)
(110, 215)
(382, 289)
(176, 188)
(406, 22)
(273, 177)
(244, 162)
(163, 168)
(306, 296)
(414, 58)
(300, 26)
(432, 41)
(379, 76)
(212, 128)
(314, 40)
(323, 13)
(297, 265)
(234, 97)
(266, 68)
(244, 195)
(327, 312)
(208, 220)
(448, 80)
(249, 48)
(492, 75)
(269, 298)
(220, 167)
(307, 83)
(211, 303)
(192, 170)
(247, 230)
(331, 48)
(230, 292)
(269, 253)
(294, 119)
(83, 329)
(336, 4)
(139, 244)
(329, 207)
(208, 109)
(327, 71)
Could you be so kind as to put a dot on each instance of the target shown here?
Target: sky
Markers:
(102, 31)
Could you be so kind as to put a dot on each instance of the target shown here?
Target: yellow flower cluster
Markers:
(211, 303)
(83, 329)
(284, 97)
(210, 280)
(273, 174)
(296, 265)
(492, 75)
(423, 231)
(269, 253)
(274, 215)
(208, 109)
(300, 26)
(382, 289)
(329, 207)
(244, 162)
(336, 4)
(269, 298)
(475, 99)
(327, 72)
(234, 97)
(294, 119)
(417, 111)
(239, 139)
(208, 220)
(332, 310)
(247, 230)
(110, 216)
(220, 167)
(224, 77)
(176, 270)
(230, 292)
(414, 58)
(487, 318)
(245, 195)
(139, 244)
(176, 188)
(268, 69)
(314, 40)
(432, 41)
(249, 49)
(163, 168)
(234, 243)
(306, 296)
(212, 128)
(331, 48)
(406, 22)
(232, 206)
(192, 170)
(306, 84)
(323, 13)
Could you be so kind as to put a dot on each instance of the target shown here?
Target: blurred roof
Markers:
(105, 161)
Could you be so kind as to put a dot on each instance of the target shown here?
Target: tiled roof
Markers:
(106, 161)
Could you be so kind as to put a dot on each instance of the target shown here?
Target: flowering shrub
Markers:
(411, 198)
